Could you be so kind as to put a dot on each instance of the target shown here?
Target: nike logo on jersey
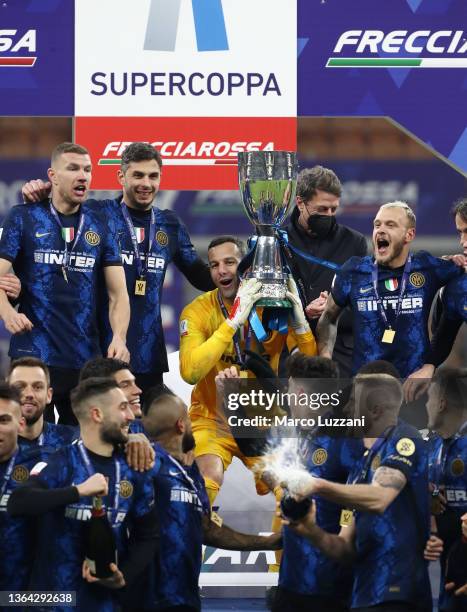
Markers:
(365, 289)
(42, 234)
(173, 473)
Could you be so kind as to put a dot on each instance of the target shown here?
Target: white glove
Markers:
(298, 323)
(248, 293)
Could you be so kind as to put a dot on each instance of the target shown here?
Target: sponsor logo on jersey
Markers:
(409, 304)
(319, 456)
(457, 467)
(154, 263)
(405, 447)
(456, 495)
(92, 238)
(20, 473)
(126, 488)
(162, 238)
(391, 284)
(83, 513)
(417, 279)
(186, 497)
(82, 262)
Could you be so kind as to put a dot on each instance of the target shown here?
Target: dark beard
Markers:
(112, 434)
(32, 420)
(188, 442)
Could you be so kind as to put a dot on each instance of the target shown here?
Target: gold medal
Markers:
(140, 287)
(388, 336)
(243, 373)
(346, 518)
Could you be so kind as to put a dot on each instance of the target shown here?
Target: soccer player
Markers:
(454, 297)
(183, 508)
(387, 519)
(16, 534)
(211, 329)
(150, 238)
(121, 373)
(58, 249)
(308, 580)
(61, 490)
(31, 377)
(390, 296)
(447, 414)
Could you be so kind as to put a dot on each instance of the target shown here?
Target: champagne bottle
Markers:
(100, 549)
(293, 509)
(456, 565)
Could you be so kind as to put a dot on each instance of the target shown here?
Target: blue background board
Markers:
(430, 103)
(47, 88)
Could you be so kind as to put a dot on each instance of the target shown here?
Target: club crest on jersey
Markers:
(319, 456)
(162, 238)
(417, 279)
(68, 234)
(405, 447)
(139, 231)
(20, 473)
(92, 238)
(457, 467)
(126, 489)
(184, 327)
(391, 284)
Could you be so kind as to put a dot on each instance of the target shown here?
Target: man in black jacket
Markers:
(313, 228)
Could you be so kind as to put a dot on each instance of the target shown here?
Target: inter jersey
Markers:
(455, 299)
(181, 502)
(171, 243)
(447, 471)
(17, 534)
(59, 297)
(60, 551)
(52, 437)
(389, 564)
(410, 348)
(304, 568)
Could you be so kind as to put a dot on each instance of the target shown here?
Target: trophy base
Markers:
(270, 302)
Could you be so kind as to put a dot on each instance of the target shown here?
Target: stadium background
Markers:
(376, 161)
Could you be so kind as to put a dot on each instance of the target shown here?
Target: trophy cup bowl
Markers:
(268, 180)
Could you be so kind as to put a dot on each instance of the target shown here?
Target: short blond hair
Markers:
(404, 206)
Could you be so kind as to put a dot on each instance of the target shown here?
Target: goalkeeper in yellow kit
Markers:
(208, 334)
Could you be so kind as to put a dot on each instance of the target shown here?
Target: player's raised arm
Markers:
(15, 322)
(326, 329)
(119, 311)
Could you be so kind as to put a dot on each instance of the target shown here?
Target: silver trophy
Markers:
(268, 180)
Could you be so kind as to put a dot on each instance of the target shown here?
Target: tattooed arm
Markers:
(229, 539)
(326, 330)
(375, 497)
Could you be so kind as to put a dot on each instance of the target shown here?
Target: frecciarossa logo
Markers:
(400, 49)
(17, 48)
(197, 152)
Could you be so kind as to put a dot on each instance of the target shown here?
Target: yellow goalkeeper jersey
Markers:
(206, 348)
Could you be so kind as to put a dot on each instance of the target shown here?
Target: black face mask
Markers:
(321, 225)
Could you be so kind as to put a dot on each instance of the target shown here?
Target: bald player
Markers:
(183, 508)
